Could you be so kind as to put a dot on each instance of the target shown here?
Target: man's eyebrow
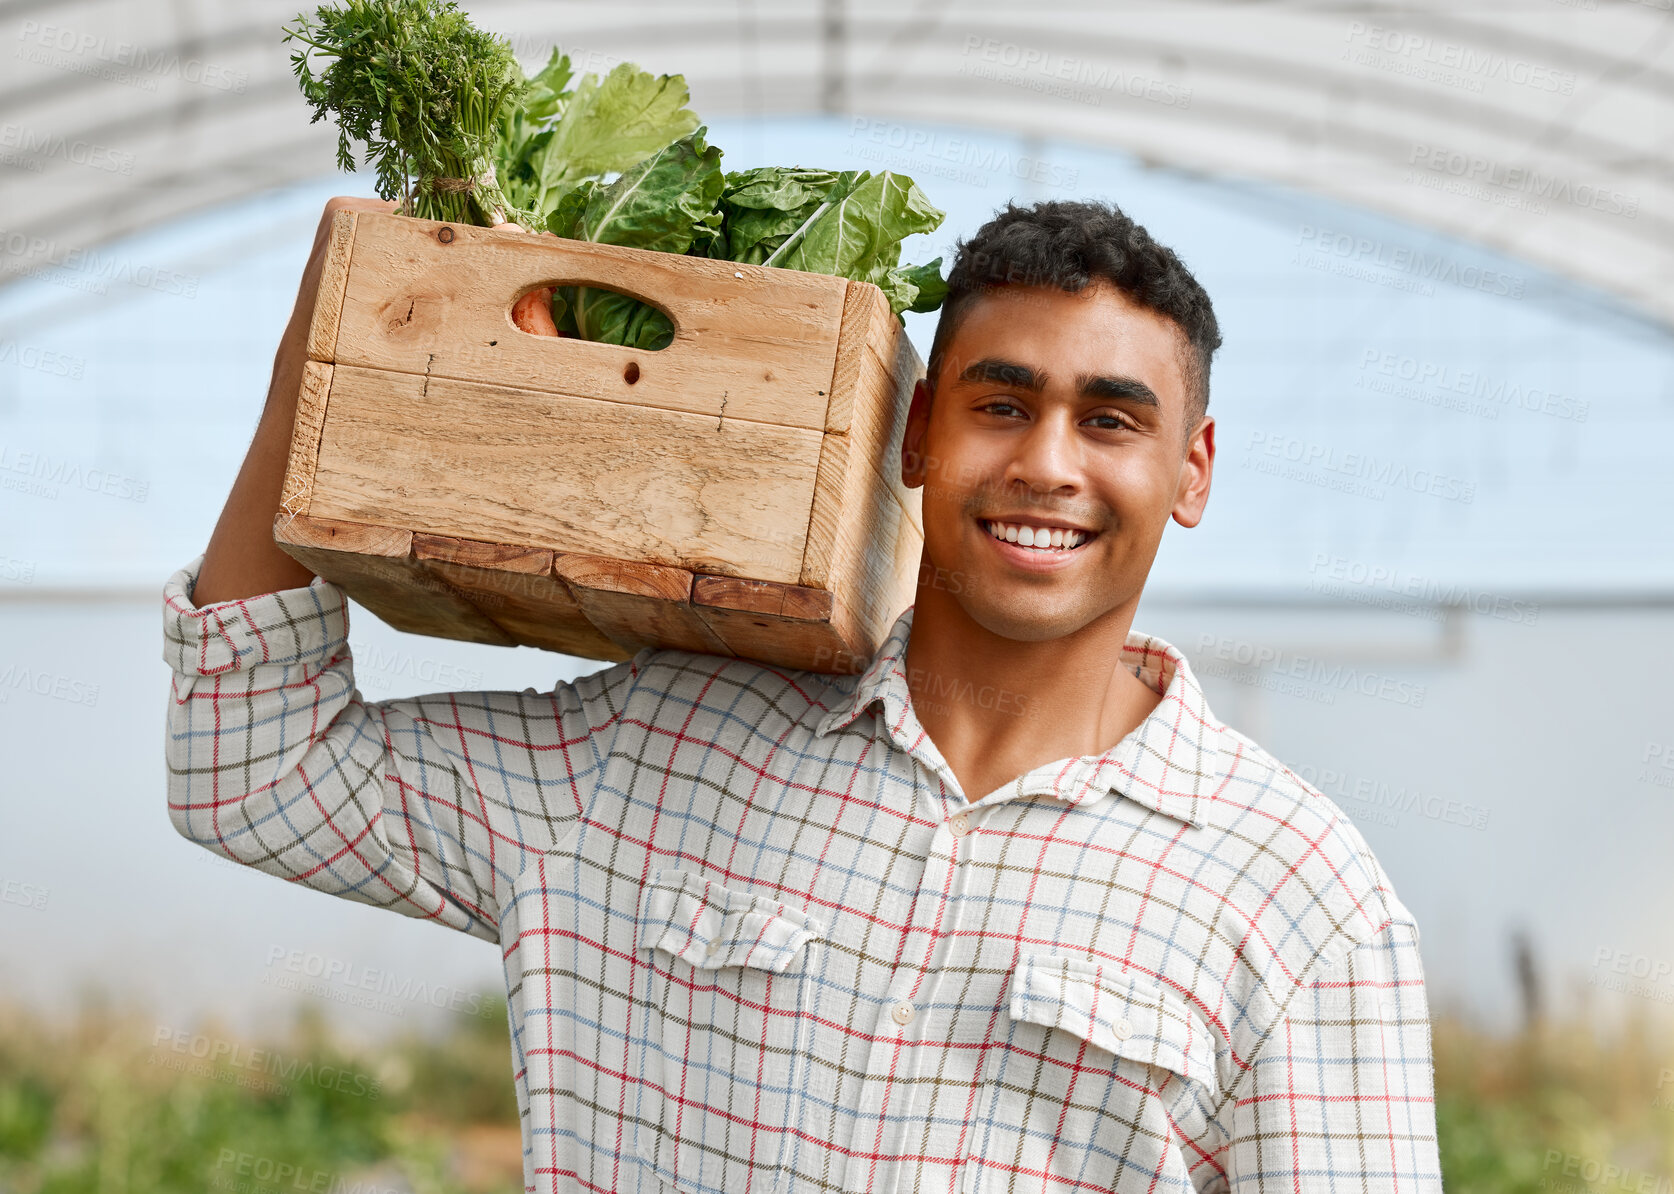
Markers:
(1025, 377)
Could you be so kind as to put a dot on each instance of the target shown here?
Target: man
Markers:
(1008, 908)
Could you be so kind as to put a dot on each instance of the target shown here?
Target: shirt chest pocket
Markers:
(723, 1034)
(1089, 1077)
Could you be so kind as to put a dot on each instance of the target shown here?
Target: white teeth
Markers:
(1039, 538)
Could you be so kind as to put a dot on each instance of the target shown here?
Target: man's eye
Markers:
(1120, 424)
(1007, 405)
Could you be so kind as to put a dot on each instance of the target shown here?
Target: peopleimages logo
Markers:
(1325, 677)
(88, 269)
(1064, 76)
(40, 474)
(1490, 392)
(26, 148)
(1473, 168)
(44, 360)
(925, 145)
(366, 986)
(1425, 267)
(1355, 580)
(135, 58)
(1362, 469)
(1467, 60)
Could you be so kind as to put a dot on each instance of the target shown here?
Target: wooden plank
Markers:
(788, 624)
(297, 489)
(751, 342)
(334, 277)
(811, 646)
(890, 366)
(825, 520)
(516, 589)
(874, 548)
(638, 605)
(565, 473)
(375, 565)
(859, 304)
(794, 602)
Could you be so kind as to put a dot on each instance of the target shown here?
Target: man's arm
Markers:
(242, 559)
(429, 805)
(1341, 1095)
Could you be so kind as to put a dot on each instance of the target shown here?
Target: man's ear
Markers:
(913, 462)
(1195, 470)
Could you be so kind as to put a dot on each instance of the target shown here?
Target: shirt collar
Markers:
(1171, 762)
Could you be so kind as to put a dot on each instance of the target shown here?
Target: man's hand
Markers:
(242, 559)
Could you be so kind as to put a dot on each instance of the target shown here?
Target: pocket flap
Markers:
(1125, 1013)
(710, 926)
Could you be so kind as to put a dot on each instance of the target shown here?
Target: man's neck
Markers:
(997, 708)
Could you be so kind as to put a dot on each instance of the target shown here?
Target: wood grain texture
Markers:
(569, 474)
(334, 278)
(637, 605)
(858, 309)
(792, 602)
(761, 341)
(872, 392)
(297, 489)
(607, 575)
(462, 479)
(876, 565)
(375, 565)
(515, 588)
(890, 366)
(812, 646)
(826, 514)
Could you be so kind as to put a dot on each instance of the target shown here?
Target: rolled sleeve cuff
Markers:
(292, 626)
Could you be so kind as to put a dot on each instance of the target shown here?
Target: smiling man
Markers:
(1009, 908)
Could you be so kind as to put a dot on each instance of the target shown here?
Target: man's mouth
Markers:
(1045, 539)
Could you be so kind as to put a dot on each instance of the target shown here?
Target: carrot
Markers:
(533, 313)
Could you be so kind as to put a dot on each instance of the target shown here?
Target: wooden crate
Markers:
(737, 492)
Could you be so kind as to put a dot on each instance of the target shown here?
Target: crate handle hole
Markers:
(653, 327)
(631, 373)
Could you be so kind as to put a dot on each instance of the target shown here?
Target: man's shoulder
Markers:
(672, 682)
(1304, 838)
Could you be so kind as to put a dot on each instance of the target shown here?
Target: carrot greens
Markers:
(457, 132)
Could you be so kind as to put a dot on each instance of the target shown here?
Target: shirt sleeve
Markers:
(426, 805)
(1341, 1095)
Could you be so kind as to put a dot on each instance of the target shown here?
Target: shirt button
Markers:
(903, 1013)
(1122, 1029)
(960, 825)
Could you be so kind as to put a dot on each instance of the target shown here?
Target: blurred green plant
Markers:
(1543, 1110)
(104, 1103)
(109, 1102)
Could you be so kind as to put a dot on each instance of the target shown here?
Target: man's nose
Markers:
(1048, 456)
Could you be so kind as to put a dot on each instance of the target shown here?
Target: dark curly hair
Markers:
(1069, 244)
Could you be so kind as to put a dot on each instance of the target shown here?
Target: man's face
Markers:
(1054, 410)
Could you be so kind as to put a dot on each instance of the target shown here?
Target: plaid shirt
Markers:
(756, 939)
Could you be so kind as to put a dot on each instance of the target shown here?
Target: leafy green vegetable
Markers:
(423, 89)
(460, 134)
(659, 204)
(857, 233)
(850, 224)
(762, 207)
(552, 139)
(526, 130)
